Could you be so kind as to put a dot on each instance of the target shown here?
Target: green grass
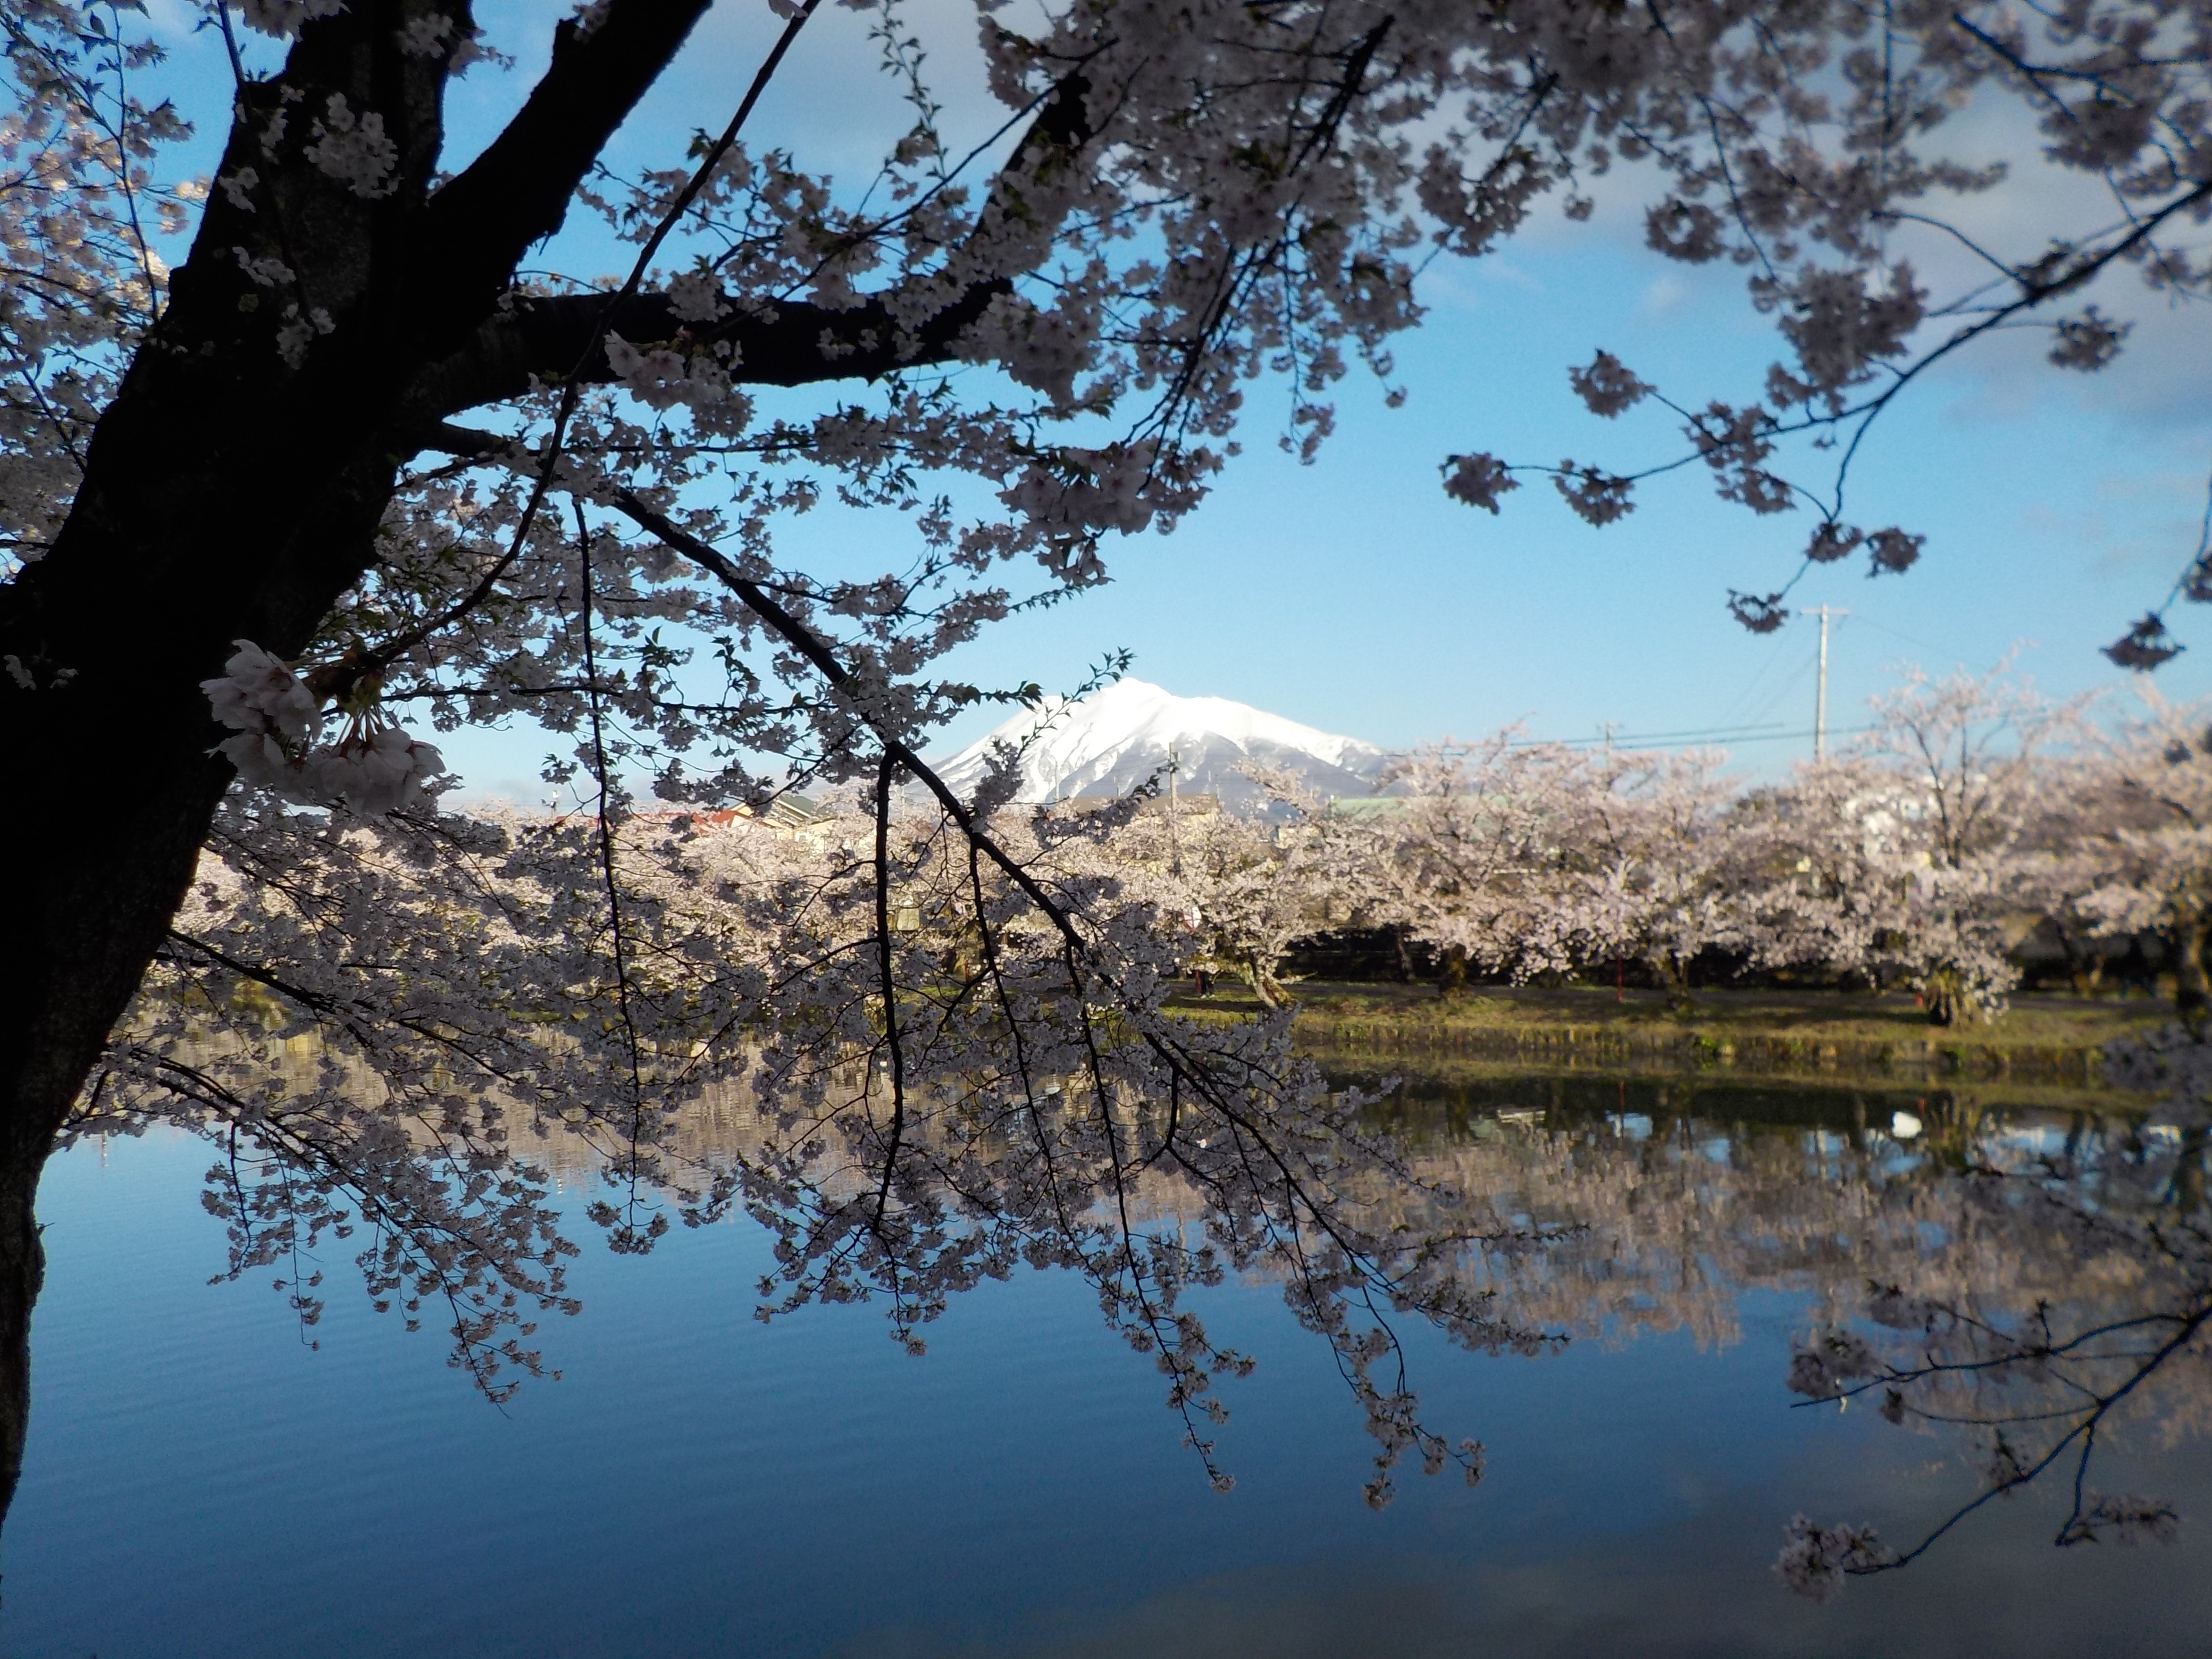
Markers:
(1766, 1032)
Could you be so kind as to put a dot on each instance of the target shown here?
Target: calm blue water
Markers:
(200, 1482)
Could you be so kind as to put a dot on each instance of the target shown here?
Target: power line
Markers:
(1744, 692)
(1910, 638)
(1751, 687)
(1788, 687)
(1645, 739)
(1770, 737)
(1659, 739)
(1617, 738)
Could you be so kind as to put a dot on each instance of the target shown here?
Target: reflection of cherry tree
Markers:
(2113, 1342)
(937, 1104)
(2041, 1289)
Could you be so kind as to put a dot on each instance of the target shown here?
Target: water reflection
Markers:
(2031, 1280)
(2028, 1271)
(2031, 1254)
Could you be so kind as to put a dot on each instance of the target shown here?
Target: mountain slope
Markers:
(1110, 742)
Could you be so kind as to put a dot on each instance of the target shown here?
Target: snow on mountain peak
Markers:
(1111, 741)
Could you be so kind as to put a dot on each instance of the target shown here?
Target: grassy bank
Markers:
(2056, 1039)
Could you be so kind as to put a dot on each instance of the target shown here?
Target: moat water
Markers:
(201, 1481)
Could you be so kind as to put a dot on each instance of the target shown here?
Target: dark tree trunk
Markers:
(229, 493)
(1951, 1000)
(1260, 966)
(1451, 976)
(1943, 1003)
(2085, 964)
(2192, 992)
(22, 1268)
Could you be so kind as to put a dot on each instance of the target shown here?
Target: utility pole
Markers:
(1175, 838)
(1607, 731)
(1820, 680)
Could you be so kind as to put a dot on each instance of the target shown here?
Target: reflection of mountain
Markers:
(1113, 740)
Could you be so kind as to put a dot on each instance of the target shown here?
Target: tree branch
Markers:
(794, 344)
(476, 229)
(789, 343)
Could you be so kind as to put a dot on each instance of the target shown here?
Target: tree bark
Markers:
(1451, 973)
(229, 492)
(1261, 967)
(2192, 990)
(22, 1269)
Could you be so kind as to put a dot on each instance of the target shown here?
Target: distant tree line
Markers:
(1977, 832)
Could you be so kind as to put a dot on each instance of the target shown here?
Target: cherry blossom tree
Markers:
(1831, 176)
(1522, 859)
(1659, 875)
(358, 468)
(2145, 860)
(1255, 888)
(1473, 864)
(1819, 893)
(252, 536)
(1920, 857)
(1925, 852)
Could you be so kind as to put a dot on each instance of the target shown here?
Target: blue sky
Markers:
(1353, 595)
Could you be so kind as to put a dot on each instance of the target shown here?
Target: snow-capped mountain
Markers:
(1111, 741)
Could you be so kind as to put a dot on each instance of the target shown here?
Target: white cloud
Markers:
(1663, 297)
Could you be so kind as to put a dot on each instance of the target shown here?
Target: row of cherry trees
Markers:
(1972, 814)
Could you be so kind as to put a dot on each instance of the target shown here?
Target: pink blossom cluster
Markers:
(372, 770)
